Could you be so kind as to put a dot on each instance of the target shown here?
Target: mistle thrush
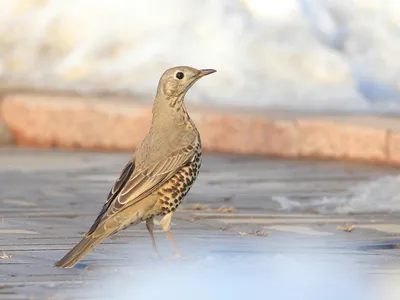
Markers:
(159, 174)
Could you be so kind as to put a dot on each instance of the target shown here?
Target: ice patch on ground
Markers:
(275, 277)
(380, 196)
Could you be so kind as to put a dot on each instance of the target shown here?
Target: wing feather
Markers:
(145, 181)
(136, 183)
(115, 190)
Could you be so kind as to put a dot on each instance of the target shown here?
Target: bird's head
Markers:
(175, 82)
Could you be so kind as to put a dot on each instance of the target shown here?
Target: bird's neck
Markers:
(170, 112)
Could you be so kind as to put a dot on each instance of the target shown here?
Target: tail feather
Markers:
(78, 252)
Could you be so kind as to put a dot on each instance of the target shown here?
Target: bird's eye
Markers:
(179, 75)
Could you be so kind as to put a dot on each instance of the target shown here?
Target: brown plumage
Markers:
(160, 173)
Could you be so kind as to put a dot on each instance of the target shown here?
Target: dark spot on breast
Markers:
(171, 203)
(174, 194)
(166, 198)
(190, 147)
(160, 194)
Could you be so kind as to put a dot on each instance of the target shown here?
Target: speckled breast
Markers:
(172, 193)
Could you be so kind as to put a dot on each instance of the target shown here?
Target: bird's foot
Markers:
(155, 256)
(175, 256)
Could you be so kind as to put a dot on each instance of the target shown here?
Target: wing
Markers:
(145, 180)
(117, 187)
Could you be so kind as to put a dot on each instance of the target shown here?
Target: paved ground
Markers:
(236, 242)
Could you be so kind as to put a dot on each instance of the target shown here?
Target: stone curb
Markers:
(6, 137)
(120, 124)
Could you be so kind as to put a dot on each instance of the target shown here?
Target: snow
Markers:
(378, 196)
(305, 54)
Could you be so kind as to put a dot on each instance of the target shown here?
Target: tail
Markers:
(79, 251)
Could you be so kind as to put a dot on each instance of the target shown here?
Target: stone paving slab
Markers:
(119, 124)
(48, 199)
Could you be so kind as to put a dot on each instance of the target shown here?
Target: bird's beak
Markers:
(205, 72)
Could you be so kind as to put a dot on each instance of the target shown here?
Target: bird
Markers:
(158, 175)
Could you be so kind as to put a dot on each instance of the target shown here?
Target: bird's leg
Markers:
(150, 227)
(170, 237)
(166, 226)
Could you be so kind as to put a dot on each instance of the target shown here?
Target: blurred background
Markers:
(248, 221)
(336, 55)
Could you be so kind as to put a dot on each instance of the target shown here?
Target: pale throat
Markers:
(169, 110)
